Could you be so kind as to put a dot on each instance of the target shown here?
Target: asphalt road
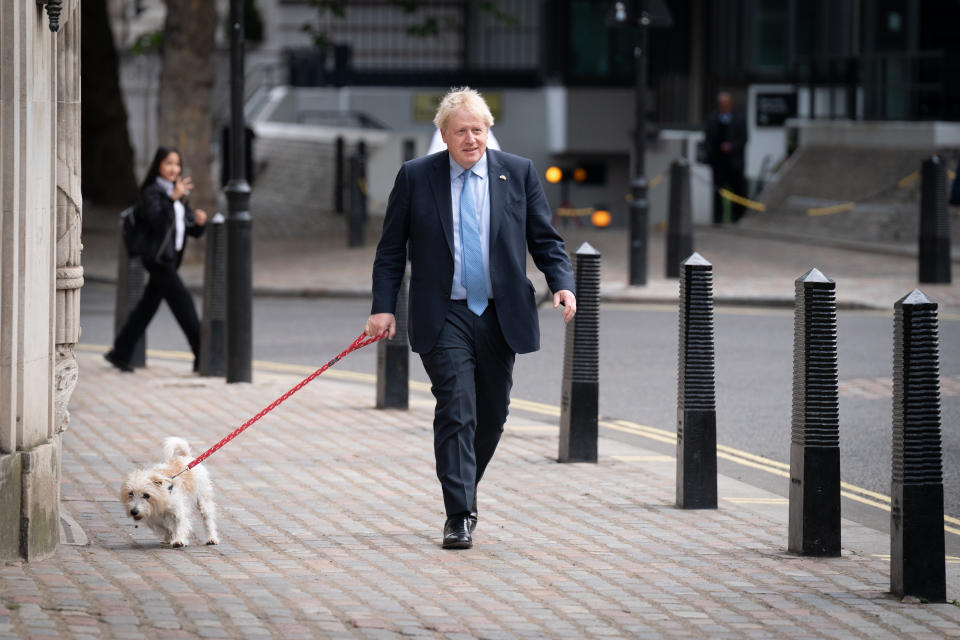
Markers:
(638, 376)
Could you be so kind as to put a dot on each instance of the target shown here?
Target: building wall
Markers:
(39, 174)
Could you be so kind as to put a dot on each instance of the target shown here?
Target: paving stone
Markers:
(343, 541)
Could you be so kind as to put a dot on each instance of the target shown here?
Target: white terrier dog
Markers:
(164, 505)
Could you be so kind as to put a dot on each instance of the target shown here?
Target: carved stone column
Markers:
(69, 215)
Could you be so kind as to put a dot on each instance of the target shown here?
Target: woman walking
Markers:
(163, 221)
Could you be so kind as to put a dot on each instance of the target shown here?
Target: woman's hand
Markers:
(199, 217)
(182, 187)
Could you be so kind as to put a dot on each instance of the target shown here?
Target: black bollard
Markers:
(131, 280)
(934, 259)
(338, 182)
(358, 202)
(579, 402)
(814, 521)
(393, 360)
(213, 337)
(679, 218)
(917, 564)
(696, 395)
(409, 149)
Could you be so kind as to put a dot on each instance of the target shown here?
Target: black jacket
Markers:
(155, 215)
(735, 133)
(419, 211)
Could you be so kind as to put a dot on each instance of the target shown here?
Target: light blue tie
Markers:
(471, 251)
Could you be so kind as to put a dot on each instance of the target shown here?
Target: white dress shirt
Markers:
(179, 215)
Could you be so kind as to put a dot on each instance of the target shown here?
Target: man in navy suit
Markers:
(469, 216)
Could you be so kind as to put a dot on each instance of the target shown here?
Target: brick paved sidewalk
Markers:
(330, 517)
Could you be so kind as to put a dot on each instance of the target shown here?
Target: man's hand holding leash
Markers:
(379, 323)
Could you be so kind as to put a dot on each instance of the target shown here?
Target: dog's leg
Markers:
(181, 523)
(208, 511)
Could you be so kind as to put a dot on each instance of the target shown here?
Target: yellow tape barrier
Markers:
(748, 203)
(903, 183)
(657, 179)
(907, 180)
(826, 211)
(571, 212)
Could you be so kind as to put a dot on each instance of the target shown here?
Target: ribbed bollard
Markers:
(934, 258)
(579, 399)
(131, 280)
(814, 521)
(358, 202)
(213, 337)
(917, 565)
(679, 218)
(696, 396)
(393, 360)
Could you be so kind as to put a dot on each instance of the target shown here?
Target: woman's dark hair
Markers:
(154, 170)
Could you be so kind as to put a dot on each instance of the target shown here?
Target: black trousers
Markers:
(731, 178)
(471, 373)
(163, 284)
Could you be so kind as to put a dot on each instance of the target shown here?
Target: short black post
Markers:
(917, 563)
(814, 521)
(579, 401)
(696, 394)
(213, 337)
(679, 218)
(338, 175)
(393, 360)
(358, 202)
(131, 280)
(934, 223)
(409, 149)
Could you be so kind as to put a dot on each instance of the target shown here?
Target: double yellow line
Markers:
(847, 490)
(744, 458)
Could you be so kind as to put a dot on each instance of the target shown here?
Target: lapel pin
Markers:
(503, 177)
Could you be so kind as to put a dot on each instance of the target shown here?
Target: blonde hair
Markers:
(462, 98)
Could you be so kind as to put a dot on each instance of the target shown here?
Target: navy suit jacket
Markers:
(419, 212)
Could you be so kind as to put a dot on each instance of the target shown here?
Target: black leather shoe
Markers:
(474, 514)
(456, 533)
(112, 358)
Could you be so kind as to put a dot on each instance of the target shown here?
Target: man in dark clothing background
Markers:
(726, 139)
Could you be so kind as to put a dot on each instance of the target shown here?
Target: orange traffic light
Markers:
(579, 174)
(600, 218)
(554, 175)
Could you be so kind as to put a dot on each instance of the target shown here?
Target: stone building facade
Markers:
(40, 267)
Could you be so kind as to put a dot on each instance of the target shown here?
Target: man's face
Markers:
(466, 137)
(724, 103)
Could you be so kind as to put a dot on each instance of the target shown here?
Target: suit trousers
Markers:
(164, 284)
(726, 176)
(471, 373)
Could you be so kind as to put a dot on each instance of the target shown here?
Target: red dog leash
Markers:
(359, 343)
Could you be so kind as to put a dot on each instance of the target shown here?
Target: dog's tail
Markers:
(173, 447)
